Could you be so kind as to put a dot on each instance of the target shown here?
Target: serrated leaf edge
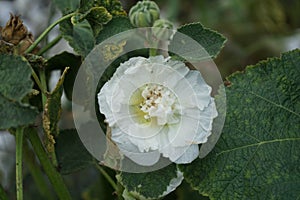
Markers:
(208, 29)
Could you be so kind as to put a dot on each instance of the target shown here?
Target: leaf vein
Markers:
(257, 144)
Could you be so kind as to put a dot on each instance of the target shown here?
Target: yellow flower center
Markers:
(154, 101)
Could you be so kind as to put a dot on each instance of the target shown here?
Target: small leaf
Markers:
(61, 61)
(71, 154)
(13, 89)
(83, 38)
(67, 6)
(52, 113)
(115, 26)
(258, 154)
(210, 42)
(151, 185)
(97, 17)
(80, 36)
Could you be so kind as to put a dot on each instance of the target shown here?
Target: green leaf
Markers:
(61, 61)
(83, 38)
(52, 113)
(185, 192)
(67, 6)
(151, 185)
(71, 154)
(210, 41)
(13, 89)
(258, 154)
(115, 26)
(80, 36)
(88, 22)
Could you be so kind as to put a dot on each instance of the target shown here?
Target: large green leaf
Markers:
(15, 84)
(258, 154)
(151, 185)
(184, 42)
(71, 154)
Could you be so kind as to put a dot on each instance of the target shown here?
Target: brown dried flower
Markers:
(16, 34)
(14, 31)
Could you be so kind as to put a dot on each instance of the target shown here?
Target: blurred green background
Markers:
(255, 29)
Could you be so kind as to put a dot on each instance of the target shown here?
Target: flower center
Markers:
(160, 103)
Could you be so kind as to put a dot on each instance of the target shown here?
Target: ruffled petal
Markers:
(190, 154)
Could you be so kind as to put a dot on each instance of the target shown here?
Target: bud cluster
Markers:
(147, 14)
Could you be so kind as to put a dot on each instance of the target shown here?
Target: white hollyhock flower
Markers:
(156, 106)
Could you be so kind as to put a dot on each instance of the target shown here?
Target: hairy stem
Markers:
(44, 86)
(49, 45)
(44, 100)
(37, 81)
(19, 176)
(36, 173)
(54, 177)
(44, 34)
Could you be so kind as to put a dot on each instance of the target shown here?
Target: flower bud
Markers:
(162, 29)
(144, 14)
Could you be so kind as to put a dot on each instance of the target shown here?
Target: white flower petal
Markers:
(190, 154)
(174, 183)
(156, 105)
(184, 133)
(129, 149)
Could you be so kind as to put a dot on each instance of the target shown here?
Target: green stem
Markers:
(107, 177)
(152, 52)
(36, 173)
(41, 37)
(54, 177)
(49, 45)
(3, 195)
(119, 191)
(37, 81)
(44, 100)
(19, 177)
(44, 86)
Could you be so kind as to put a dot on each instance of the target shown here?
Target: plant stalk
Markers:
(53, 175)
(44, 34)
(36, 173)
(50, 45)
(19, 176)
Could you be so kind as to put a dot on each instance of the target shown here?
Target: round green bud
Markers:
(144, 14)
(162, 29)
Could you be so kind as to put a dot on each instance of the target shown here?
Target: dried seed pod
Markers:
(24, 44)
(14, 31)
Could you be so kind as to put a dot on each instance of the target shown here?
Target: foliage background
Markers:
(255, 30)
